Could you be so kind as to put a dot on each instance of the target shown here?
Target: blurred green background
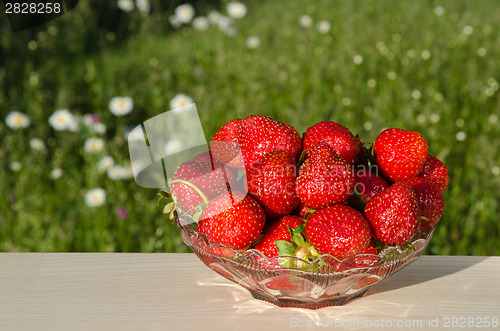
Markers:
(430, 66)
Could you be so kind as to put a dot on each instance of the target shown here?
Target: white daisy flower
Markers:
(434, 118)
(105, 163)
(119, 172)
(127, 172)
(120, 106)
(416, 94)
(305, 21)
(346, 101)
(62, 120)
(461, 136)
(143, 5)
(213, 16)
(225, 23)
(492, 119)
(126, 5)
(15, 166)
(481, 51)
(236, 10)
(56, 173)
(180, 100)
(252, 42)
(425, 55)
(495, 170)
(357, 59)
(16, 120)
(93, 145)
(439, 11)
(99, 128)
(37, 144)
(114, 173)
(87, 119)
(371, 83)
(184, 13)
(438, 97)
(391, 75)
(95, 197)
(323, 27)
(468, 30)
(173, 146)
(174, 21)
(200, 23)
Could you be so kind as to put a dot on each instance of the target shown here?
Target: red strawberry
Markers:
(368, 184)
(271, 182)
(369, 250)
(400, 153)
(232, 219)
(337, 136)
(436, 171)
(430, 200)
(338, 230)
(259, 135)
(278, 229)
(325, 178)
(283, 283)
(225, 146)
(368, 260)
(194, 184)
(394, 214)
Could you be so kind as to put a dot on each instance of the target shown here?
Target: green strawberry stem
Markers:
(192, 186)
(299, 247)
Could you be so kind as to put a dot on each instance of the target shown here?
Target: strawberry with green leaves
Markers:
(324, 178)
(399, 153)
(394, 214)
(337, 136)
(338, 230)
(232, 219)
(436, 171)
(194, 184)
(271, 182)
(277, 229)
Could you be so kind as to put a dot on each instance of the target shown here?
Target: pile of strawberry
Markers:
(263, 186)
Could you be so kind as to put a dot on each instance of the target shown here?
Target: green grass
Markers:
(297, 75)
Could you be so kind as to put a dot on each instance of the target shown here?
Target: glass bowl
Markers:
(310, 284)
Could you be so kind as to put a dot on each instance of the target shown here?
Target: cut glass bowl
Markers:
(310, 284)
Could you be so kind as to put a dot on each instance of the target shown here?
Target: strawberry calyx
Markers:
(170, 206)
(298, 247)
(199, 208)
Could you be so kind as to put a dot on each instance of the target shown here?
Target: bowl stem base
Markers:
(304, 304)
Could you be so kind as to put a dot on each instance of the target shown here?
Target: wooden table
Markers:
(95, 291)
